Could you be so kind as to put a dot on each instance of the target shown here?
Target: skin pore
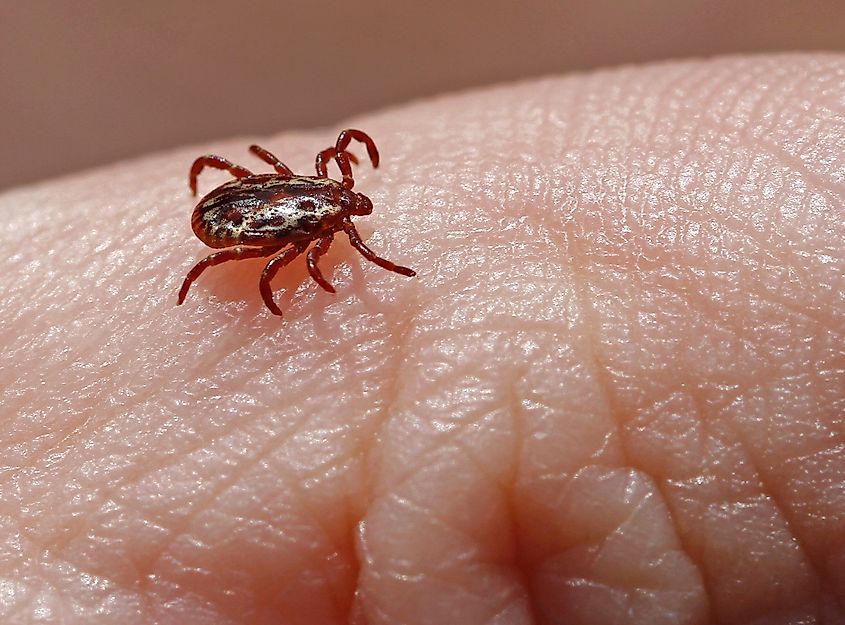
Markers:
(613, 394)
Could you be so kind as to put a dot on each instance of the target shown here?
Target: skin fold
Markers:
(614, 393)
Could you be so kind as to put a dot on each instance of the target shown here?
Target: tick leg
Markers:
(217, 162)
(358, 244)
(329, 153)
(314, 254)
(270, 159)
(270, 271)
(347, 135)
(235, 253)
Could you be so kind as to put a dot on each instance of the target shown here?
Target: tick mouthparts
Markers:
(363, 205)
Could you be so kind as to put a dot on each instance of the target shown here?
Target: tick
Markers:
(281, 214)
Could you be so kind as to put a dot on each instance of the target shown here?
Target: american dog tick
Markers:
(265, 214)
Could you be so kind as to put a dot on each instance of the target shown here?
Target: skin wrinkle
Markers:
(447, 444)
(761, 243)
(59, 546)
(777, 122)
(519, 563)
(592, 344)
(405, 331)
(107, 494)
(745, 132)
(359, 527)
(789, 260)
(669, 501)
(431, 516)
(83, 356)
(618, 592)
(225, 484)
(338, 546)
(226, 430)
(739, 330)
(444, 441)
(756, 139)
(701, 406)
(482, 469)
(694, 78)
(793, 524)
(199, 507)
(321, 563)
(447, 578)
(616, 412)
(685, 547)
(54, 448)
(739, 89)
(764, 248)
(796, 164)
(602, 376)
(771, 494)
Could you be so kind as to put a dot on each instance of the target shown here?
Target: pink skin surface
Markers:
(613, 394)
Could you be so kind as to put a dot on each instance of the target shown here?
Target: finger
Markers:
(601, 400)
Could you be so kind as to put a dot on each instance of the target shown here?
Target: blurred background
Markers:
(90, 81)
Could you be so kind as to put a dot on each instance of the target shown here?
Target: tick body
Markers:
(281, 214)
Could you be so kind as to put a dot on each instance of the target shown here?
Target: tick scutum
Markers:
(267, 209)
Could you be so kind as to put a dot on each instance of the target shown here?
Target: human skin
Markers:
(614, 393)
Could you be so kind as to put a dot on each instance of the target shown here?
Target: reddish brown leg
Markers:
(347, 135)
(329, 153)
(370, 255)
(235, 253)
(270, 159)
(217, 162)
(314, 254)
(270, 272)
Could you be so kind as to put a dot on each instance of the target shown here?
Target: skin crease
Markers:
(613, 394)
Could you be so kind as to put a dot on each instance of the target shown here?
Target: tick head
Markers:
(362, 204)
(355, 203)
